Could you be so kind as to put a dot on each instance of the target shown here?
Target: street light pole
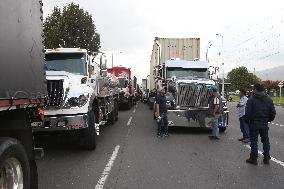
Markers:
(208, 47)
(223, 77)
(112, 60)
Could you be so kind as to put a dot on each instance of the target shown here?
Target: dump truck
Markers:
(187, 81)
(126, 89)
(82, 96)
(22, 91)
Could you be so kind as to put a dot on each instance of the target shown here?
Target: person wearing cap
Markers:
(161, 113)
(259, 111)
(215, 103)
(241, 107)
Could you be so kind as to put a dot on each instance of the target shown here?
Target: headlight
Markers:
(77, 101)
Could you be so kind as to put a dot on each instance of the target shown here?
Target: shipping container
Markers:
(173, 48)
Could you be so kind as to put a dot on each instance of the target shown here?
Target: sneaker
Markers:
(241, 139)
(214, 137)
(211, 137)
(166, 134)
(266, 160)
(159, 134)
(246, 140)
(252, 161)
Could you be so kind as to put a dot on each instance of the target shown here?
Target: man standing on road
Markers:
(259, 111)
(161, 113)
(241, 106)
(215, 103)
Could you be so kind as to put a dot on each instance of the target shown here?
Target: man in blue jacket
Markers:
(259, 111)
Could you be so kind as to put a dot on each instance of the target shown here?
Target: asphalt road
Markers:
(129, 155)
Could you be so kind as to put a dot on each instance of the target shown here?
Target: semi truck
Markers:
(22, 91)
(126, 89)
(82, 96)
(187, 84)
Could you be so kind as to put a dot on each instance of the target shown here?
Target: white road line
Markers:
(276, 124)
(106, 172)
(272, 158)
(134, 110)
(129, 121)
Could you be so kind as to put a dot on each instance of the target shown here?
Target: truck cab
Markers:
(81, 98)
(187, 84)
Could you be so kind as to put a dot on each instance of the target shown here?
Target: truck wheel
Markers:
(89, 134)
(15, 170)
(116, 110)
(222, 129)
(111, 117)
(128, 105)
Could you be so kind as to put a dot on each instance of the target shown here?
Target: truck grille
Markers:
(55, 92)
(192, 95)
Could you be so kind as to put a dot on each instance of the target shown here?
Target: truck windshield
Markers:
(123, 83)
(70, 62)
(189, 72)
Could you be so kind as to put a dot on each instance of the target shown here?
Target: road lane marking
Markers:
(106, 172)
(272, 158)
(280, 125)
(134, 110)
(129, 121)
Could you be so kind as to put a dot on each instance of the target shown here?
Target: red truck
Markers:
(126, 90)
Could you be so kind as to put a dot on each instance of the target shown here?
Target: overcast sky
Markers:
(253, 30)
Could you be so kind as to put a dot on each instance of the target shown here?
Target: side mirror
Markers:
(103, 73)
(103, 64)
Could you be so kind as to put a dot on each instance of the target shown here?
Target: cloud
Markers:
(131, 25)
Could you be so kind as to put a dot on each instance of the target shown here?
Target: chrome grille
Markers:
(192, 95)
(55, 92)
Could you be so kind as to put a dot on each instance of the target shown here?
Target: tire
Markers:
(12, 155)
(111, 117)
(89, 134)
(222, 129)
(116, 110)
(128, 105)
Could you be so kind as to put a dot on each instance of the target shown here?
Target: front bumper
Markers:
(61, 123)
(123, 100)
(194, 118)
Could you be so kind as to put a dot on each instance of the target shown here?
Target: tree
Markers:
(240, 78)
(71, 27)
(269, 85)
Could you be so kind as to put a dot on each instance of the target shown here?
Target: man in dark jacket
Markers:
(259, 111)
(161, 113)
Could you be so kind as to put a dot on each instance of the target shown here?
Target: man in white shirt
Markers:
(242, 111)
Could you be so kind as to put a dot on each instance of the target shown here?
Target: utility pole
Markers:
(280, 85)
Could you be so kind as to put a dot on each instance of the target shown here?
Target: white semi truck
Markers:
(187, 84)
(82, 95)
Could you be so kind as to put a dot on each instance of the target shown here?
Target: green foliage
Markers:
(71, 27)
(240, 78)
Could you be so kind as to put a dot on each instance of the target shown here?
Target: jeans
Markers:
(214, 125)
(244, 127)
(260, 128)
(163, 124)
